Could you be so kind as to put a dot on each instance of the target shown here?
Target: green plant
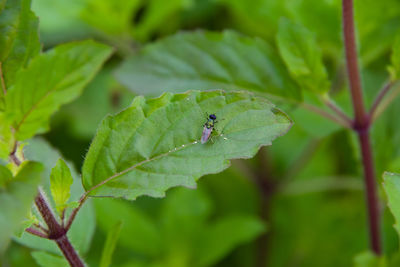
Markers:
(153, 143)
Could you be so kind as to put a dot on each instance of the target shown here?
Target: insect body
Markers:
(208, 128)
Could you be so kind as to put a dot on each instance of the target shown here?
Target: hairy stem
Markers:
(57, 232)
(361, 125)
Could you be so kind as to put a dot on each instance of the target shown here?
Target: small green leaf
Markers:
(51, 79)
(155, 144)
(302, 56)
(16, 199)
(369, 259)
(109, 246)
(60, 184)
(208, 60)
(19, 39)
(391, 184)
(394, 68)
(46, 259)
(223, 236)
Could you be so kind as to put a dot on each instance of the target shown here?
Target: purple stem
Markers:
(361, 125)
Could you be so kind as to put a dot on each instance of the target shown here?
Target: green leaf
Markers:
(394, 68)
(111, 17)
(156, 13)
(16, 199)
(19, 38)
(391, 184)
(109, 246)
(208, 60)
(369, 259)
(45, 259)
(134, 223)
(6, 138)
(155, 144)
(300, 51)
(51, 79)
(223, 236)
(60, 184)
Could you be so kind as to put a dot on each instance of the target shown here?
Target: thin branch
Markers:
(36, 232)
(327, 115)
(3, 84)
(75, 211)
(378, 99)
(13, 155)
(389, 96)
(38, 225)
(335, 108)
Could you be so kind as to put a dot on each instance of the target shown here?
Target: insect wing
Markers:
(206, 134)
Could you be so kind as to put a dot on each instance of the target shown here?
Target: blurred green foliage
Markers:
(299, 202)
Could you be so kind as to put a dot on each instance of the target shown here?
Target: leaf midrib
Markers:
(176, 149)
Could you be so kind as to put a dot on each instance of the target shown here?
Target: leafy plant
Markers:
(291, 204)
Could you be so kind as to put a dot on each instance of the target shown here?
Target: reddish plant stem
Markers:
(57, 232)
(36, 232)
(360, 115)
(69, 252)
(372, 198)
(382, 93)
(361, 126)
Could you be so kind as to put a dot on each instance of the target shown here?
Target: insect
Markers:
(208, 128)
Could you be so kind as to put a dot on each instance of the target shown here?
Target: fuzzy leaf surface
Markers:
(155, 144)
(208, 60)
(51, 79)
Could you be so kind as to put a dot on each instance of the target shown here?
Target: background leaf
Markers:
(6, 138)
(16, 198)
(207, 60)
(391, 183)
(60, 184)
(45, 259)
(394, 68)
(222, 236)
(124, 162)
(302, 56)
(19, 38)
(134, 223)
(51, 79)
(110, 244)
(369, 259)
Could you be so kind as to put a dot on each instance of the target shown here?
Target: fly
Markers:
(208, 128)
